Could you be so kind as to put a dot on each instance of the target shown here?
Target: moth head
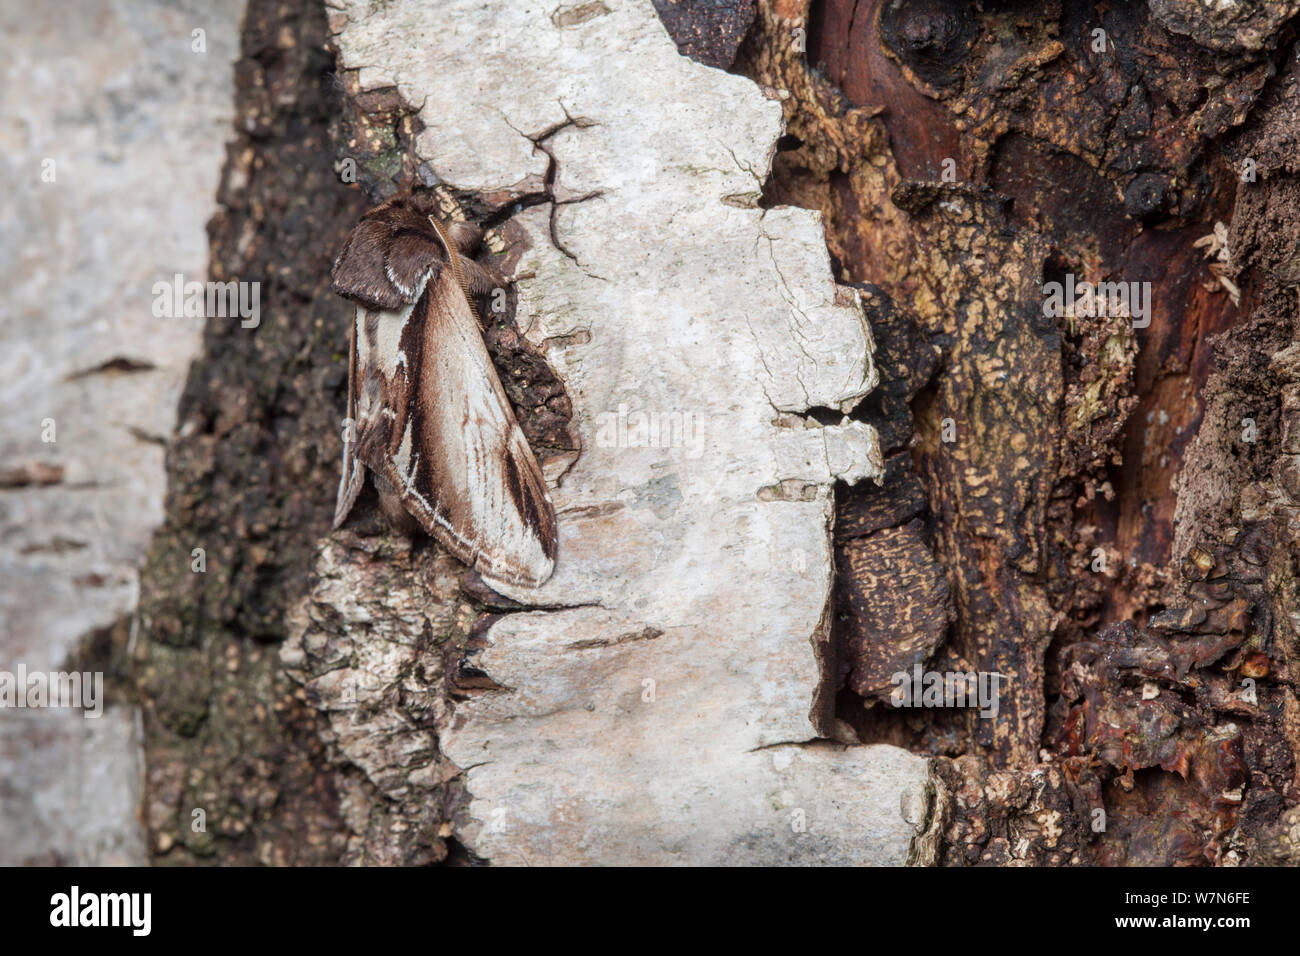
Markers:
(390, 255)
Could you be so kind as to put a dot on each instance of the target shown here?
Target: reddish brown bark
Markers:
(964, 156)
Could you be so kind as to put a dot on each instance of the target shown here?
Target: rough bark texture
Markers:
(1075, 504)
(251, 477)
(1115, 539)
(394, 721)
(662, 697)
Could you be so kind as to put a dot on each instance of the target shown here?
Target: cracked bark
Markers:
(972, 554)
(1126, 737)
(358, 698)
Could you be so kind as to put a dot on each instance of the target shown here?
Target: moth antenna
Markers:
(452, 256)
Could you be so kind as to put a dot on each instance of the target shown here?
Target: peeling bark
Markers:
(630, 644)
(408, 702)
(1069, 502)
(1111, 540)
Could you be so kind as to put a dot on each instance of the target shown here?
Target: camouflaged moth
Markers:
(429, 417)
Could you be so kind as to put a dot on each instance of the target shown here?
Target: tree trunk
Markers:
(782, 477)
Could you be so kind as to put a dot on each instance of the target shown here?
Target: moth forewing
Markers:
(462, 465)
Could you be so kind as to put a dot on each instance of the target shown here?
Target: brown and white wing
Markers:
(434, 422)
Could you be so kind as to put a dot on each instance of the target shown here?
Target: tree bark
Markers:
(1110, 505)
(1075, 503)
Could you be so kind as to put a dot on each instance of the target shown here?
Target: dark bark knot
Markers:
(932, 37)
(1147, 197)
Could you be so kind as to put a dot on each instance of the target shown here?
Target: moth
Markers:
(427, 415)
